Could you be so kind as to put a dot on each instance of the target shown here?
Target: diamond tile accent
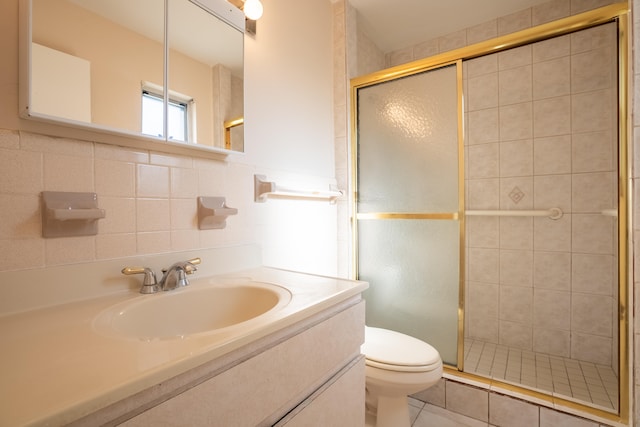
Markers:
(516, 195)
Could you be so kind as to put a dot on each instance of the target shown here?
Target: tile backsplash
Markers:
(149, 198)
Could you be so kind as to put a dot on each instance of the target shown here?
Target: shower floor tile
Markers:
(583, 381)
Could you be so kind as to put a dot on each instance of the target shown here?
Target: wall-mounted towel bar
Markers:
(552, 213)
(264, 189)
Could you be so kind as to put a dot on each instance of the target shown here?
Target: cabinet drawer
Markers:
(338, 403)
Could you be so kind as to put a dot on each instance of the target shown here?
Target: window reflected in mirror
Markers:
(153, 112)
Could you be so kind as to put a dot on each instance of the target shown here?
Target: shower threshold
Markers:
(584, 382)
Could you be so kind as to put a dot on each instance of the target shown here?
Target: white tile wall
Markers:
(149, 199)
(538, 117)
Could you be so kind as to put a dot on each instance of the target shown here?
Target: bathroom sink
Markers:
(191, 310)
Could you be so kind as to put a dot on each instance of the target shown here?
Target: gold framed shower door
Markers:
(618, 13)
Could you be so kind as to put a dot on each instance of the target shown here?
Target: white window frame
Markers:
(178, 98)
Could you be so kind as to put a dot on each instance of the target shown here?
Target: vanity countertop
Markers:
(55, 366)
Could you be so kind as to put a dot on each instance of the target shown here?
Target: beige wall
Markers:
(63, 26)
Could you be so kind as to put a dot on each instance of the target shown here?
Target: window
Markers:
(181, 125)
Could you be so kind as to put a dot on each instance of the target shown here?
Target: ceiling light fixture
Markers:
(253, 9)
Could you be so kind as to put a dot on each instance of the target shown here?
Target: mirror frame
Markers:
(220, 9)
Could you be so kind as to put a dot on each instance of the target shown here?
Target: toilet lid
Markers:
(393, 348)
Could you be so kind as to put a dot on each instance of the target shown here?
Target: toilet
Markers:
(397, 365)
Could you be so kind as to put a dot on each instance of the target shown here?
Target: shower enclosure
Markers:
(491, 209)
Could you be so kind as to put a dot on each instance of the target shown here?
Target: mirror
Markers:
(104, 64)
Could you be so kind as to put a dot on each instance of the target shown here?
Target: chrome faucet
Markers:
(176, 275)
(172, 278)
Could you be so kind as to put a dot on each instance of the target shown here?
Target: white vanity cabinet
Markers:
(311, 373)
(298, 361)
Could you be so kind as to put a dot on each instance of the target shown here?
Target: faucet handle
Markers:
(190, 266)
(149, 284)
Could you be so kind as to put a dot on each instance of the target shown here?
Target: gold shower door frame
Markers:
(617, 13)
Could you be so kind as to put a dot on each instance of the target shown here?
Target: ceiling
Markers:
(396, 24)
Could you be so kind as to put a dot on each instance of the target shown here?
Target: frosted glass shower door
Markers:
(408, 233)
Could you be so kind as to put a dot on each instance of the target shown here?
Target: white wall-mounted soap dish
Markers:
(66, 214)
(213, 212)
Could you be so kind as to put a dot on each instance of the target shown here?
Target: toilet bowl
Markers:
(396, 365)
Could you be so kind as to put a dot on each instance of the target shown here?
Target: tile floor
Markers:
(582, 381)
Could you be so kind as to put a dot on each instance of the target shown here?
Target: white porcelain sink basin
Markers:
(191, 310)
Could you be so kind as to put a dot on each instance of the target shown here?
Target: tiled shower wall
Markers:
(541, 134)
(357, 65)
